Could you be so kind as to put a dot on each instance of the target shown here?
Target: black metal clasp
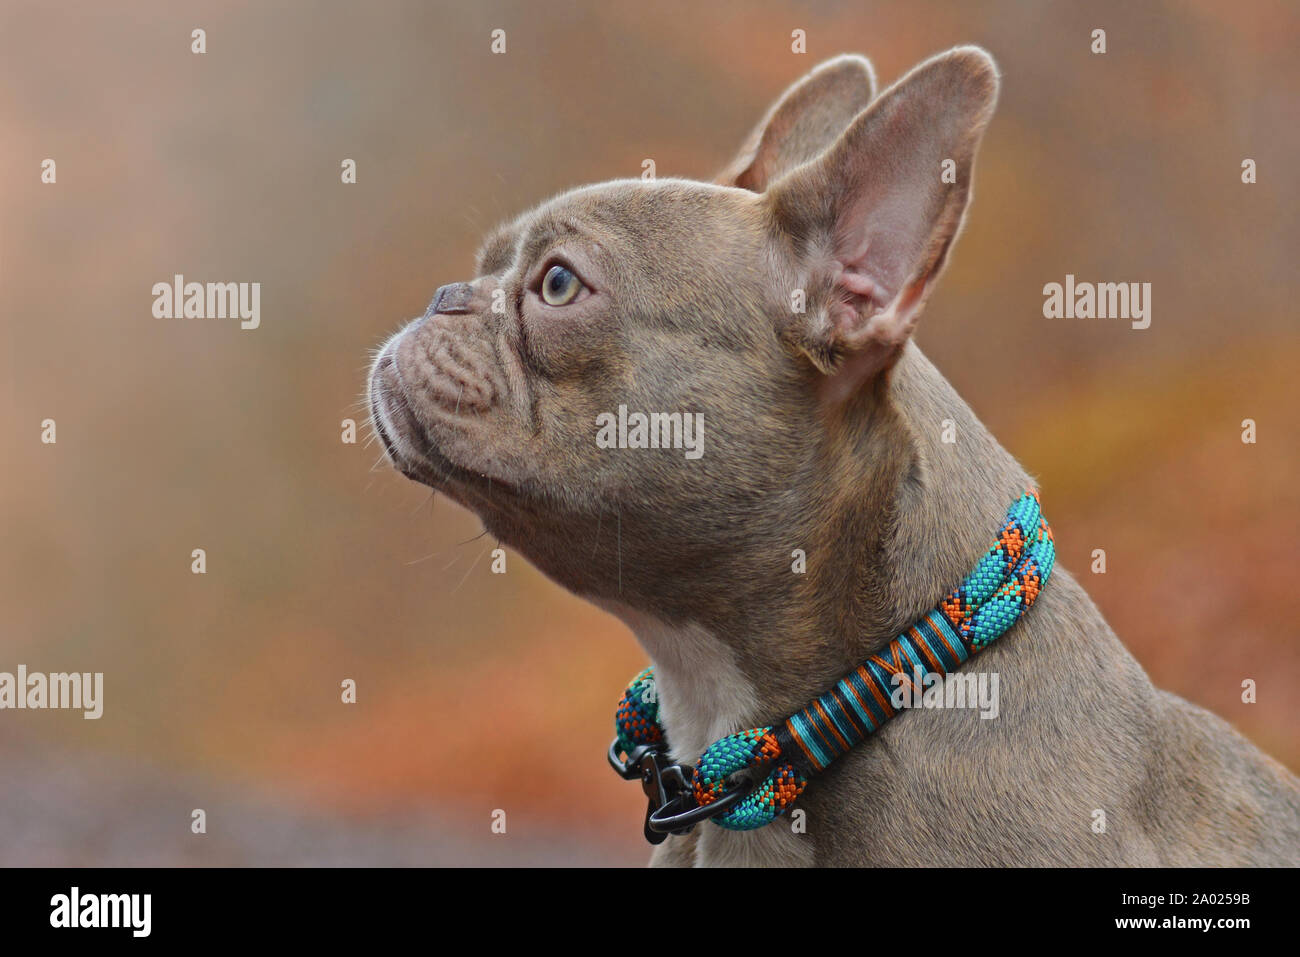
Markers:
(667, 785)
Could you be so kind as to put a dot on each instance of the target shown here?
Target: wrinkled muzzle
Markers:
(442, 396)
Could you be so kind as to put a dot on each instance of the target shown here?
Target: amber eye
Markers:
(560, 286)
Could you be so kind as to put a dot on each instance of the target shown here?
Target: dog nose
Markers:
(451, 299)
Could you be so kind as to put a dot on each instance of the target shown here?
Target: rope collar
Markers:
(1001, 588)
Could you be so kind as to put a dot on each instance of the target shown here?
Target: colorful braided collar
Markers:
(1002, 587)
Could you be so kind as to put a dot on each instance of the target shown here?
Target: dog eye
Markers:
(560, 286)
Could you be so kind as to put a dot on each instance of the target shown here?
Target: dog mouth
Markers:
(381, 430)
(407, 443)
(404, 439)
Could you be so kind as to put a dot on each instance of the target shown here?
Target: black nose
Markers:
(451, 299)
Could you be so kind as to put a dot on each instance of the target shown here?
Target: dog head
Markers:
(767, 306)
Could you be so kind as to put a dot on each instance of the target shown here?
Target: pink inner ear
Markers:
(880, 217)
(884, 325)
(857, 297)
(858, 284)
(874, 342)
(879, 240)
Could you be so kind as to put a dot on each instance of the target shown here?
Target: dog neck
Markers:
(948, 486)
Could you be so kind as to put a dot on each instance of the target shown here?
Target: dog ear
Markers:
(803, 122)
(871, 220)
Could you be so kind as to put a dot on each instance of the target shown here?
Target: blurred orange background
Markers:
(479, 691)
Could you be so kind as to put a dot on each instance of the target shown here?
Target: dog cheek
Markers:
(516, 381)
(560, 343)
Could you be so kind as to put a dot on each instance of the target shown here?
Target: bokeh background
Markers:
(479, 691)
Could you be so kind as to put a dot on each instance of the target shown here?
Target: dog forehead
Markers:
(669, 223)
(635, 212)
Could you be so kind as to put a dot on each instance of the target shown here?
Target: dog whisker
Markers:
(470, 570)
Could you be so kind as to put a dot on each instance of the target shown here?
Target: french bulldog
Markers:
(777, 304)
